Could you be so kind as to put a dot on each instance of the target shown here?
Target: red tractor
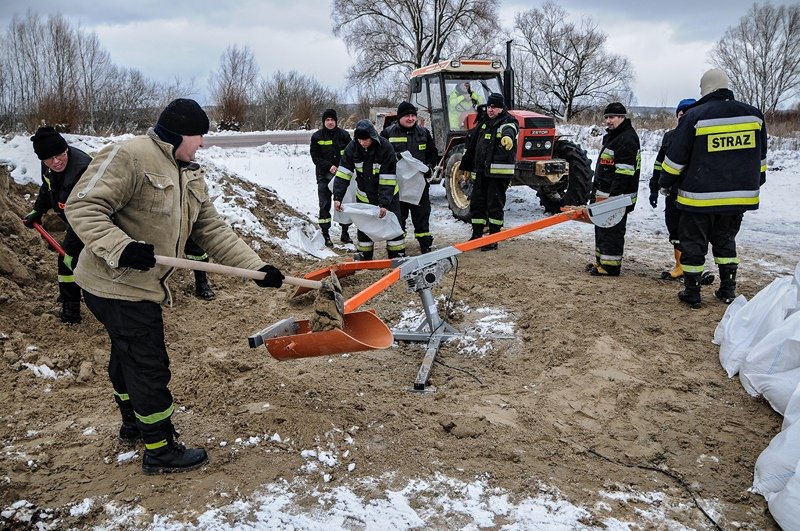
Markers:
(451, 94)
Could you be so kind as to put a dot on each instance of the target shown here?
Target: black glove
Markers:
(654, 199)
(139, 256)
(273, 279)
(30, 219)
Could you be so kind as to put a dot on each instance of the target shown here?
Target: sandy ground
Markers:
(607, 385)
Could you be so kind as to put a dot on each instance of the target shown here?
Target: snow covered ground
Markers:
(288, 170)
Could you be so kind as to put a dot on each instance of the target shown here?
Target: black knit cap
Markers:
(184, 117)
(496, 100)
(48, 143)
(329, 113)
(405, 108)
(615, 109)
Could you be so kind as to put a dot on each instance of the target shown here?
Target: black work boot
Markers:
(129, 432)
(727, 283)
(345, 234)
(201, 287)
(691, 290)
(172, 456)
(425, 244)
(395, 254)
(477, 231)
(326, 233)
(363, 255)
(71, 312)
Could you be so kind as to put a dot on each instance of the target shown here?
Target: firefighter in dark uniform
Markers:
(718, 158)
(671, 212)
(491, 156)
(62, 166)
(616, 173)
(327, 147)
(406, 135)
(372, 161)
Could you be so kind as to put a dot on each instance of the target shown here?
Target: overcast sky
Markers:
(667, 42)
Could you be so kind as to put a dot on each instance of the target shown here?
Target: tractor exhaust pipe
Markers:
(508, 79)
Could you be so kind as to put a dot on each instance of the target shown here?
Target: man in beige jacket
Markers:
(139, 198)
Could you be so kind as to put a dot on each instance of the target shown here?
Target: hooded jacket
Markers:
(373, 168)
(618, 164)
(135, 191)
(718, 156)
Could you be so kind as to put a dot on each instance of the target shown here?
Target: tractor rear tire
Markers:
(579, 185)
(457, 185)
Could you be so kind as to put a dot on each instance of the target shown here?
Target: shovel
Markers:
(329, 306)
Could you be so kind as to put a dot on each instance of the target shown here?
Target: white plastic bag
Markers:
(751, 322)
(410, 178)
(365, 216)
(784, 506)
(777, 353)
(349, 197)
(778, 462)
(315, 245)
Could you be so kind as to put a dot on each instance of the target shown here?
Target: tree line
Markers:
(59, 74)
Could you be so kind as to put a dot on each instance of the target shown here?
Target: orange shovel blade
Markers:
(362, 331)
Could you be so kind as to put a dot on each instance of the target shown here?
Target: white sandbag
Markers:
(349, 197)
(366, 218)
(722, 328)
(315, 245)
(410, 178)
(778, 352)
(784, 506)
(752, 322)
(778, 462)
(776, 388)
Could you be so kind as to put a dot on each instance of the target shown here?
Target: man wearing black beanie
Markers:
(62, 166)
(327, 146)
(406, 135)
(139, 198)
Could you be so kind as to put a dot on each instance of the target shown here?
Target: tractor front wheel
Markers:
(457, 185)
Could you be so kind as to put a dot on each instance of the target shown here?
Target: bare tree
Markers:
(93, 76)
(761, 55)
(233, 85)
(391, 37)
(293, 101)
(563, 68)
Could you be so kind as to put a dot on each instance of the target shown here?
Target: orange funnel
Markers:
(362, 331)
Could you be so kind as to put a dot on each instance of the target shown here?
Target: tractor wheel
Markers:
(457, 185)
(579, 185)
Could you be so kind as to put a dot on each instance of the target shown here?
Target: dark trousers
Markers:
(697, 230)
(139, 364)
(325, 197)
(610, 244)
(420, 217)
(192, 251)
(488, 201)
(68, 290)
(672, 217)
(394, 247)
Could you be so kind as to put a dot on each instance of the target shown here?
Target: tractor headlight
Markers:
(528, 145)
(548, 144)
(455, 63)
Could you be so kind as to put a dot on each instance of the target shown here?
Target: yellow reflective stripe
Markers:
(156, 417)
(325, 142)
(657, 166)
(501, 169)
(155, 445)
(325, 220)
(728, 128)
(692, 268)
(719, 201)
(66, 279)
(764, 167)
(606, 156)
(488, 136)
(399, 247)
(421, 234)
(722, 260)
(122, 396)
(422, 147)
(398, 139)
(478, 221)
(387, 182)
(197, 257)
(361, 197)
(493, 221)
(343, 175)
(624, 171)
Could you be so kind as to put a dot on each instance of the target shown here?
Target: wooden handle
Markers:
(232, 271)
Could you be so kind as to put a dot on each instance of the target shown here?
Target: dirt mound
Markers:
(606, 385)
